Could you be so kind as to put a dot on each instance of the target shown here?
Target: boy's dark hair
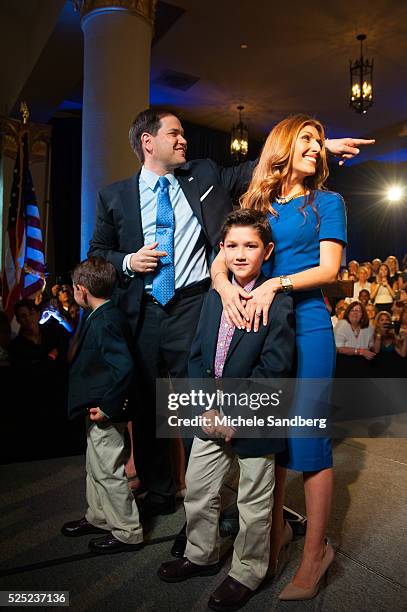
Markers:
(149, 121)
(25, 303)
(97, 275)
(248, 217)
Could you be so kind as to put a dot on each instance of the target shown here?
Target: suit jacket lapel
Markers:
(240, 333)
(130, 198)
(213, 331)
(191, 191)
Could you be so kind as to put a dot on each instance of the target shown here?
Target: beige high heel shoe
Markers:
(294, 592)
(286, 538)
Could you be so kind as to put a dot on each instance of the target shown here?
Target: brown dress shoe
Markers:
(182, 569)
(75, 529)
(230, 595)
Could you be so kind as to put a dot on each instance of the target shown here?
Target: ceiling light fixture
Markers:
(361, 81)
(239, 140)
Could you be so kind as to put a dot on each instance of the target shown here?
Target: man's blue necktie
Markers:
(164, 281)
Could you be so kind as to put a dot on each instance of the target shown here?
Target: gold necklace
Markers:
(286, 199)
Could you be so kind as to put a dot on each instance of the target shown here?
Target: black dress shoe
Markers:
(151, 507)
(109, 544)
(180, 543)
(182, 569)
(230, 595)
(74, 529)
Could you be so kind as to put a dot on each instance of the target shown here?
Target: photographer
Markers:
(385, 338)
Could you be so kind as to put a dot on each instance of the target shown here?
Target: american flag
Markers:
(24, 267)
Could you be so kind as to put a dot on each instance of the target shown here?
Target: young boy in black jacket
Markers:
(101, 371)
(220, 350)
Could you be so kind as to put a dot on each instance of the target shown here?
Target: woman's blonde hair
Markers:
(275, 164)
(380, 314)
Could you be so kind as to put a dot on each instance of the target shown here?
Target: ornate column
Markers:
(117, 36)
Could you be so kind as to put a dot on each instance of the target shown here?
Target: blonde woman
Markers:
(393, 264)
(309, 231)
(371, 313)
(385, 338)
(361, 283)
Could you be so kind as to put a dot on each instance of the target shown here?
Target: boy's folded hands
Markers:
(213, 428)
(96, 415)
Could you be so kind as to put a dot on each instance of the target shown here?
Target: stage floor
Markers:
(367, 527)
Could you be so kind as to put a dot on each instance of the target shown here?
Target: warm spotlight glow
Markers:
(394, 194)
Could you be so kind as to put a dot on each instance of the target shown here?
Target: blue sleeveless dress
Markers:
(297, 236)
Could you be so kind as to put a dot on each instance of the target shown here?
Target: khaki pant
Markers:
(111, 504)
(207, 468)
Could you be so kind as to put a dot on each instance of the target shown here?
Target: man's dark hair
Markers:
(248, 217)
(26, 303)
(97, 275)
(149, 121)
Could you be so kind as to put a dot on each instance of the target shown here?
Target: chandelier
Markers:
(361, 81)
(239, 139)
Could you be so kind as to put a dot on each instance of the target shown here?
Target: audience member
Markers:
(353, 335)
(361, 283)
(340, 308)
(368, 266)
(403, 323)
(382, 294)
(74, 314)
(353, 267)
(35, 344)
(371, 313)
(376, 263)
(393, 264)
(364, 297)
(385, 338)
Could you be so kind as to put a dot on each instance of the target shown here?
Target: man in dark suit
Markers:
(219, 350)
(200, 195)
(101, 371)
(163, 267)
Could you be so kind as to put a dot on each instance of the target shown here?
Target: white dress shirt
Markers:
(345, 337)
(189, 242)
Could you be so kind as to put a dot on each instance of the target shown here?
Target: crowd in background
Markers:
(370, 322)
(370, 326)
(34, 376)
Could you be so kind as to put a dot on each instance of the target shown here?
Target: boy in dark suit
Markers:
(101, 371)
(221, 350)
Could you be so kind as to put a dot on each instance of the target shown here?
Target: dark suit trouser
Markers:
(163, 342)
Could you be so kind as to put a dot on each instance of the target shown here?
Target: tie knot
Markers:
(163, 182)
